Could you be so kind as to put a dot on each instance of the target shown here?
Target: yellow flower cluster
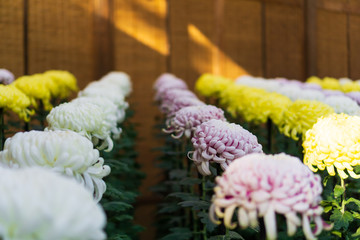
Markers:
(43, 87)
(334, 142)
(210, 85)
(334, 84)
(15, 100)
(300, 116)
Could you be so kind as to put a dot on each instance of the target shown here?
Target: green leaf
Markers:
(326, 180)
(204, 218)
(196, 205)
(177, 174)
(234, 235)
(116, 206)
(353, 200)
(169, 209)
(190, 181)
(184, 196)
(357, 233)
(341, 220)
(327, 209)
(178, 234)
(338, 191)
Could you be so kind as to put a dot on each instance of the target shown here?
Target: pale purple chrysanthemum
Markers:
(354, 96)
(260, 185)
(187, 119)
(163, 78)
(6, 77)
(170, 85)
(169, 96)
(171, 107)
(328, 92)
(221, 142)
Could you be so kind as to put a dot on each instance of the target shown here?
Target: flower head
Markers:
(210, 85)
(40, 204)
(65, 152)
(120, 80)
(343, 104)
(165, 78)
(65, 82)
(170, 108)
(260, 185)
(300, 116)
(188, 118)
(86, 119)
(112, 114)
(163, 89)
(354, 96)
(334, 143)
(6, 77)
(15, 100)
(103, 89)
(221, 142)
(36, 88)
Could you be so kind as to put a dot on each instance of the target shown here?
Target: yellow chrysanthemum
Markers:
(330, 83)
(210, 85)
(66, 82)
(350, 87)
(231, 98)
(35, 88)
(314, 80)
(300, 116)
(334, 142)
(15, 100)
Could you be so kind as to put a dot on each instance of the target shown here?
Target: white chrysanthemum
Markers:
(344, 80)
(84, 118)
(113, 115)
(102, 89)
(343, 104)
(269, 85)
(65, 152)
(120, 80)
(37, 204)
(296, 93)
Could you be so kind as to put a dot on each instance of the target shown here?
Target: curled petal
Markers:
(229, 211)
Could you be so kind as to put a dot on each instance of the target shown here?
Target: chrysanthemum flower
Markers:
(295, 93)
(86, 119)
(354, 96)
(112, 114)
(65, 152)
(65, 81)
(6, 77)
(269, 85)
(163, 78)
(260, 185)
(188, 118)
(35, 88)
(221, 142)
(343, 104)
(103, 89)
(170, 108)
(163, 89)
(328, 93)
(210, 85)
(334, 142)
(300, 116)
(167, 97)
(15, 100)
(120, 80)
(40, 204)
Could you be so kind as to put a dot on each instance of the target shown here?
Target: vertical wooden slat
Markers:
(241, 38)
(103, 41)
(11, 36)
(285, 41)
(354, 39)
(310, 38)
(140, 48)
(332, 44)
(60, 36)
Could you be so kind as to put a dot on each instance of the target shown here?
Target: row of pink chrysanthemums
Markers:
(254, 184)
(51, 181)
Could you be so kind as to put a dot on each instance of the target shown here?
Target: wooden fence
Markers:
(271, 38)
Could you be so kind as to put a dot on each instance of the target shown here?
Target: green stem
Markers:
(203, 197)
(227, 233)
(343, 196)
(2, 130)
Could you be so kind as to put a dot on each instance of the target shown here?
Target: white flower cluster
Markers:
(296, 90)
(57, 173)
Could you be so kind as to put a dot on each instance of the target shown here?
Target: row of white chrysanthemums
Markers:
(52, 180)
(295, 90)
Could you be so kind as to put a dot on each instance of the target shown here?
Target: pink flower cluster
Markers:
(221, 142)
(173, 95)
(6, 77)
(188, 118)
(260, 185)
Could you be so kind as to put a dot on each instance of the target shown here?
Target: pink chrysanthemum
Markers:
(171, 83)
(169, 96)
(260, 185)
(171, 107)
(163, 78)
(221, 142)
(187, 119)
